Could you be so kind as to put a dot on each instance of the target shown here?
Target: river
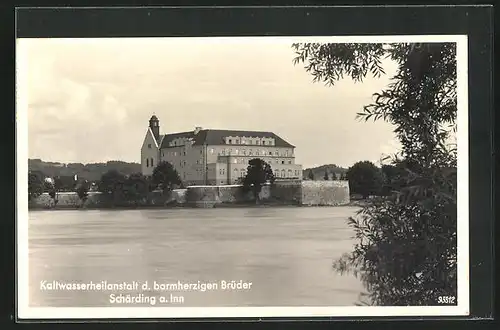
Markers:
(285, 253)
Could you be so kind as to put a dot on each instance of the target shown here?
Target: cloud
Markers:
(90, 99)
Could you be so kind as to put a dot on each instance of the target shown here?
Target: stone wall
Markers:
(313, 193)
(70, 200)
(295, 192)
(287, 192)
(325, 192)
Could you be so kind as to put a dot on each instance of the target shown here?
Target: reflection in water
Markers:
(286, 253)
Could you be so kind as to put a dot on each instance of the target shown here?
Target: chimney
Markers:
(197, 130)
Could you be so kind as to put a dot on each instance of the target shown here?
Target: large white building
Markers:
(214, 156)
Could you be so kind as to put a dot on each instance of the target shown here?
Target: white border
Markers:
(462, 309)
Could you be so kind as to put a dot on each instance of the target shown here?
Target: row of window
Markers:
(257, 152)
(250, 141)
(236, 152)
(278, 173)
(149, 162)
(269, 161)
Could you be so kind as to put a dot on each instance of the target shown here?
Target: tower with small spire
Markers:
(154, 124)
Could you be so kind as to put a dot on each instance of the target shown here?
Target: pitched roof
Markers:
(216, 137)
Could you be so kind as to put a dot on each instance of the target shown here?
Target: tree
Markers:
(165, 176)
(310, 175)
(111, 186)
(136, 187)
(82, 190)
(64, 183)
(326, 176)
(406, 250)
(35, 185)
(258, 173)
(365, 179)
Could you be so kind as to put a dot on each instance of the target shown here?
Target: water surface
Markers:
(286, 253)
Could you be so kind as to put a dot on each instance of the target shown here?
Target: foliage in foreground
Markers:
(406, 243)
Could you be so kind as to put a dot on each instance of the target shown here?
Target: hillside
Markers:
(90, 172)
(319, 172)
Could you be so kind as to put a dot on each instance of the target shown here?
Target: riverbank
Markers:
(186, 205)
(287, 193)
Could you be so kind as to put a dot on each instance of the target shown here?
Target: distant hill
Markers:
(319, 172)
(90, 172)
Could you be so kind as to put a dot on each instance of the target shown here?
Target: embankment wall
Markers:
(311, 193)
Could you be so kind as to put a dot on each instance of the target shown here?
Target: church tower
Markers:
(154, 124)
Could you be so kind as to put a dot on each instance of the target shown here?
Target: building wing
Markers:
(217, 137)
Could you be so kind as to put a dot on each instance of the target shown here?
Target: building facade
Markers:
(216, 157)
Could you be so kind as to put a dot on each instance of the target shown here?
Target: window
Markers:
(162, 154)
(264, 143)
(270, 153)
(257, 152)
(236, 151)
(184, 163)
(201, 152)
(289, 162)
(289, 173)
(282, 173)
(282, 162)
(180, 163)
(149, 145)
(147, 162)
(257, 142)
(230, 141)
(223, 152)
(276, 153)
(212, 150)
(230, 151)
(277, 161)
(184, 153)
(286, 153)
(235, 160)
(237, 141)
(152, 162)
(250, 152)
(244, 151)
(175, 153)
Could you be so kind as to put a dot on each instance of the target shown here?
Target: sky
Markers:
(89, 100)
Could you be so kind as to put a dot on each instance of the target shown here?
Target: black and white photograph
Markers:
(242, 176)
